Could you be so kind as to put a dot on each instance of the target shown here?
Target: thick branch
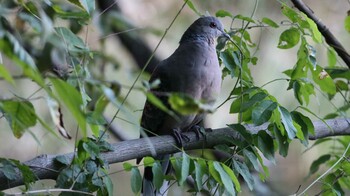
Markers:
(330, 39)
(45, 167)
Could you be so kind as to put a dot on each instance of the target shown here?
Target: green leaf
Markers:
(158, 175)
(339, 73)
(87, 5)
(199, 173)
(185, 104)
(193, 8)
(108, 184)
(316, 35)
(63, 159)
(270, 22)
(8, 169)
(323, 80)
(290, 13)
(227, 57)
(136, 181)
(262, 111)
(74, 43)
(289, 38)
(242, 169)
(232, 176)
(148, 161)
(127, 166)
(282, 140)
(265, 144)
(185, 168)
(242, 105)
(287, 122)
(91, 148)
(19, 114)
(212, 171)
(5, 73)
(252, 158)
(73, 101)
(311, 52)
(223, 13)
(243, 131)
(245, 18)
(12, 48)
(225, 178)
(27, 174)
(306, 124)
(347, 24)
(332, 57)
(69, 14)
(316, 164)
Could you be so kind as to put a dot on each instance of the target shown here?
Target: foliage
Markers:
(37, 41)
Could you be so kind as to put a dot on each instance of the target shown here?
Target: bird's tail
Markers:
(149, 188)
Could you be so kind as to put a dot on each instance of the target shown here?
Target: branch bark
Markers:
(329, 37)
(45, 167)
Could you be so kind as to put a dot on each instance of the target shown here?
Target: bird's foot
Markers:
(199, 131)
(180, 137)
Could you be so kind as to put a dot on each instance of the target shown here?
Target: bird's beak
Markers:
(227, 36)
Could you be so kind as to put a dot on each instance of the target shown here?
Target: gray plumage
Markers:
(192, 69)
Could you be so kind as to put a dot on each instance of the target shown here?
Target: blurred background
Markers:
(149, 19)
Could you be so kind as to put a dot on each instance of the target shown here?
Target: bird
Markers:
(194, 70)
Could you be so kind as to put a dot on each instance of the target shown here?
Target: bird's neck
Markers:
(196, 38)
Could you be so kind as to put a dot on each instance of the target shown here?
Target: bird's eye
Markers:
(213, 25)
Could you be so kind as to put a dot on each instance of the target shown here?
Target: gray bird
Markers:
(192, 69)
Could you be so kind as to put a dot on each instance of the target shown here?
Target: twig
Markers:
(329, 37)
(325, 173)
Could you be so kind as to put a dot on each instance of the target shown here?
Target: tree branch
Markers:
(45, 167)
(329, 37)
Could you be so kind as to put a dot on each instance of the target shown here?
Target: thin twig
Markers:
(329, 37)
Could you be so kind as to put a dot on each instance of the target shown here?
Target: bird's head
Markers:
(205, 28)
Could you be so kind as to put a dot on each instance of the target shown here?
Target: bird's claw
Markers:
(180, 137)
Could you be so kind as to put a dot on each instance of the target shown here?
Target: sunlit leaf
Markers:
(185, 105)
(347, 24)
(4, 73)
(245, 18)
(193, 8)
(332, 57)
(325, 83)
(223, 13)
(316, 35)
(87, 5)
(270, 22)
(289, 38)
